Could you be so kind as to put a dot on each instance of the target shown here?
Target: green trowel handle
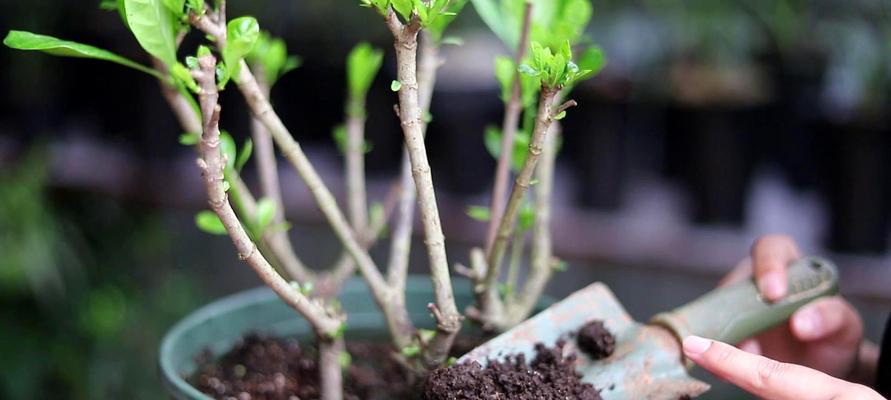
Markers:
(737, 312)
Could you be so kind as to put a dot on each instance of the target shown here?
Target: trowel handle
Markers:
(737, 312)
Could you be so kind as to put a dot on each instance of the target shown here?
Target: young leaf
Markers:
(500, 23)
(492, 140)
(227, 147)
(411, 351)
(21, 40)
(526, 218)
(272, 54)
(363, 65)
(265, 213)
(403, 7)
(189, 139)
(209, 222)
(242, 34)
(152, 24)
(345, 359)
(505, 71)
(479, 213)
(175, 7)
(339, 134)
(395, 85)
(244, 155)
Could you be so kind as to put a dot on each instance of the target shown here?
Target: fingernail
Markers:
(695, 345)
(807, 323)
(771, 286)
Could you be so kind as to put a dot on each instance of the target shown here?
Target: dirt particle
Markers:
(595, 340)
(550, 376)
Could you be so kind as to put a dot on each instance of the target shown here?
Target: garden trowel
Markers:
(647, 362)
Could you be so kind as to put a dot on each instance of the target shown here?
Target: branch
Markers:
(357, 202)
(400, 249)
(541, 267)
(330, 284)
(406, 44)
(512, 113)
(212, 164)
(262, 110)
(330, 376)
(490, 301)
(278, 241)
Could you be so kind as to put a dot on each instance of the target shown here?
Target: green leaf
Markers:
(452, 40)
(363, 64)
(189, 139)
(175, 7)
(265, 213)
(592, 59)
(244, 155)
(271, 54)
(560, 116)
(403, 7)
(500, 24)
(492, 141)
(227, 147)
(209, 222)
(345, 359)
(505, 72)
(526, 218)
(441, 14)
(339, 134)
(153, 25)
(395, 85)
(197, 6)
(479, 213)
(21, 40)
(183, 77)
(242, 34)
(411, 351)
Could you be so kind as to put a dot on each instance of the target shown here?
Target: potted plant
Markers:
(389, 302)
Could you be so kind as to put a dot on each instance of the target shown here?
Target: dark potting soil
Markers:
(595, 340)
(550, 376)
(264, 368)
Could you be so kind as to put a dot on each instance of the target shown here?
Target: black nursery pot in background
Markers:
(595, 140)
(709, 149)
(857, 184)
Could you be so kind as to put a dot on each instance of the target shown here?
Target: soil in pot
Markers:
(550, 376)
(264, 368)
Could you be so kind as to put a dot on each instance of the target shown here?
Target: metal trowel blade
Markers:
(646, 364)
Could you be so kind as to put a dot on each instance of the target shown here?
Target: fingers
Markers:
(743, 270)
(827, 318)
(771, 255)
(759, 375)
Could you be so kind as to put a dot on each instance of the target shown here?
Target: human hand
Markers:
(826, 334)
(770, 379)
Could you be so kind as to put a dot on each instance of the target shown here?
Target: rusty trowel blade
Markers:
(646, 364)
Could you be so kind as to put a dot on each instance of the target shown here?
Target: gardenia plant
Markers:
(534, 82)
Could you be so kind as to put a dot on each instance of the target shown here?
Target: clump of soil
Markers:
(595, 340)
(263, 368)
(550, 376)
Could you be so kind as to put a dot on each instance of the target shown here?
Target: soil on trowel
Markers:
(550, 376)
(264, 368)
(595, 340)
